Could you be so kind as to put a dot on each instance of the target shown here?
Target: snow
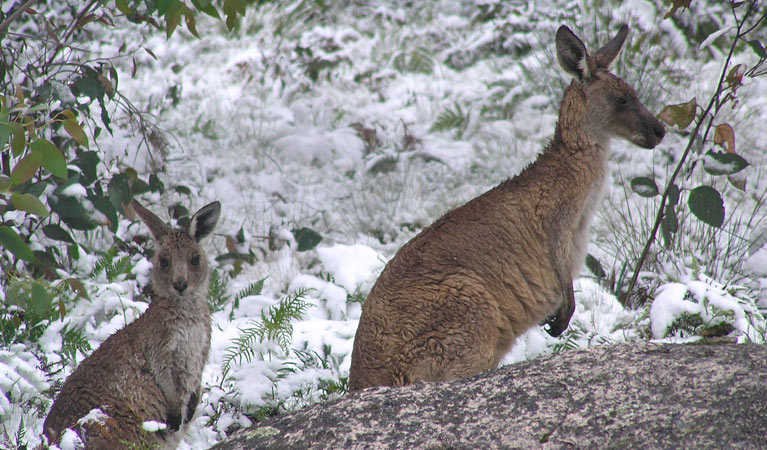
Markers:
(251, 128)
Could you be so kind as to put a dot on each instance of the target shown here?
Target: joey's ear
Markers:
(204, 221)
(606, 55)
(156, 226)
(572, 54)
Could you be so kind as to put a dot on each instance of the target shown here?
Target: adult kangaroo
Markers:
(453, 300)
(151, 370)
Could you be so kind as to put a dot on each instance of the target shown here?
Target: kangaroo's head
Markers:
(611, 107)
(180, 266)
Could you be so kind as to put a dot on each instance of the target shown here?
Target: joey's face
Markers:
(179, 267)
(616, 111)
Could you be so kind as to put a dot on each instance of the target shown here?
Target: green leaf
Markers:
(155, 185)
(5, 183)
(105, 206)
(595, 266)
(19, 140)
(722, 163)
(10, 240)
(757, 47)
(5, 134)
(29, 203)
(25, 168)
(669, 225)
(122, 6)
(52, 158)
(673, 195)
(644, 186)
(119, 191)
(87, 162)
(172, 18)
(40, 300)
(80, 223)
(55, 232)
(67, 207)
(707, 205)
(207, 8)
(680, 115)
(306, 238)
(181, 189)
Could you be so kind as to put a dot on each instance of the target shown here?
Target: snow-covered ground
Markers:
(365, 123)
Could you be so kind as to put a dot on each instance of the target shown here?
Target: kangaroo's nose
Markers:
(659, 130)
(180, 286)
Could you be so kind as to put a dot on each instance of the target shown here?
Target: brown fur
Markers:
(152, 368)
(453, 300)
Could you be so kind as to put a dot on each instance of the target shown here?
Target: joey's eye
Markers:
(194, 260)
(621, 100)
(164, 263)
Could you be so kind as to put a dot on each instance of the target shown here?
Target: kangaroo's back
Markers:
(151, 369)
(453, 300)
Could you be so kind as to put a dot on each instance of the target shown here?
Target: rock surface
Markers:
(624, 396)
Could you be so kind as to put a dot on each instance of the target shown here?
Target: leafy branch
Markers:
(704, 202)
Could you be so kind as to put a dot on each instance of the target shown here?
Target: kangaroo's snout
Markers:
(180, 286)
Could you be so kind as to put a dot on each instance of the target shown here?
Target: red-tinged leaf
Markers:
(62, 309)
(735, 76)
(676, 4)
(52, 158)
(172, 19)
(190, 21)
(76, 286)
(25, 168)
(725, 134)
(29, 203)
(75, 131)
(680, 115)
(11, 241)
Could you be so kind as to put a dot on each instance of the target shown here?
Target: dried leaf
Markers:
(680, 115)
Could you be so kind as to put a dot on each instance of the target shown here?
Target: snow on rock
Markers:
(712, 302)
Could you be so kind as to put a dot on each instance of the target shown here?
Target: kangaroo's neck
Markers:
(567, 179)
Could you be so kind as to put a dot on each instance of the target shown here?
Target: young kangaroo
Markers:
(150, 370)
(453, 300)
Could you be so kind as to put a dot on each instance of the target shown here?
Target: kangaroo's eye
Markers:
(620, 100)
(164, 263)
(194, 260)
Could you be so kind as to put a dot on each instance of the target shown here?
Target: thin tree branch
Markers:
(664, 198)
(15, 15)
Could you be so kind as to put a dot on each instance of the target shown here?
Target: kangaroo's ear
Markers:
(156, 226)
(572, 54)
(204, 221)
(605, 56)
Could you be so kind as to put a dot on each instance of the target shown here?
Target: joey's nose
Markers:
(180, 286)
